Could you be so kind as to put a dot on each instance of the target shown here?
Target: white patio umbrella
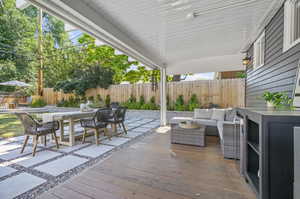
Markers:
(15, 83)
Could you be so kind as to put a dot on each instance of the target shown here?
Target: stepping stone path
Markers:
(94, 151)
(16, 185)
(61, 165)
(24, 176)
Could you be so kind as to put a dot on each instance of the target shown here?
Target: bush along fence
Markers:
(181, 96)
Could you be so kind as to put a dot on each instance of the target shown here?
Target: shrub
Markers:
(38, 103)
(107, 100)
(98, 102)
(72, 102)
(134, 105)
(147, 106)
(170, 107)
(131, 103)
(91, 98)
(99, 98)
(193, 103)
(152, 100)
(141, 101)
(151, 105)
(83, 99)
(179, 104)
(61, 103)
(241, 75)
(132, 98)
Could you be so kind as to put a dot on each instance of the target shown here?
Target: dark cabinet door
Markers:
(281, 160)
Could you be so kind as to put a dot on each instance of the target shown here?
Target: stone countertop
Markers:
(270, 112)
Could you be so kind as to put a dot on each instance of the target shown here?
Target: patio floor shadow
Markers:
(153, 168)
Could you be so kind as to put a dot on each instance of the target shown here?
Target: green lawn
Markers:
(10, 126)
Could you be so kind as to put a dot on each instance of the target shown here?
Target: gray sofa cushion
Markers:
(206, 122)
(218, 114)
(230, 115)
(202, 113)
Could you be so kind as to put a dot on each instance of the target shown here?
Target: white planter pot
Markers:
(270, 105)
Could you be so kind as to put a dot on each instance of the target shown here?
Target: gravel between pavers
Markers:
(53, 181)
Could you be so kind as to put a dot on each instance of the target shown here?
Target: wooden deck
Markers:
(152, 168)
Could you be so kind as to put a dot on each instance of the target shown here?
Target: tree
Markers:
(83, 79)
(72, 66)
(105, 56)
(18, 45)
(16, 42)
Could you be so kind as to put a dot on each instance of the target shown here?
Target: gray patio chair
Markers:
(118, 118)
(97, 123)
(37, 129)
(114, 105)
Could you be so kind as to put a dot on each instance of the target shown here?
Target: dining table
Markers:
(71, 118)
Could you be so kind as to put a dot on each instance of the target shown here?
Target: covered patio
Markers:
(176, 37)
(152, 168)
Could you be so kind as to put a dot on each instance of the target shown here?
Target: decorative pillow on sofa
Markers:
(202, 113)
(218, 114)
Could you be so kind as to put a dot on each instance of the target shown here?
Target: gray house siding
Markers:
(279, 71)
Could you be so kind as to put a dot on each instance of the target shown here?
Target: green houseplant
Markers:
(277, 100)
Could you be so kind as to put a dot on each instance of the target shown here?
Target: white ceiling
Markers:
(162, 35)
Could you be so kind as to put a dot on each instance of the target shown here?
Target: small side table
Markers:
(195, 136)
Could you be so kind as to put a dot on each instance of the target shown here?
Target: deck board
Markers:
(153, 168)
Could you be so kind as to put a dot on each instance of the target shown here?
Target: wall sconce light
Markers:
(246, 61)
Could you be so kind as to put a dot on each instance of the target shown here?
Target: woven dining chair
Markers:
(37, 129)
(97, 123)
(118, 118)
(114, 105)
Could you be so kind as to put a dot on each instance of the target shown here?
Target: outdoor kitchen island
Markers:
(269, 151)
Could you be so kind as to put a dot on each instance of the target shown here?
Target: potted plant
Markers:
(269, 98)
(277, 100)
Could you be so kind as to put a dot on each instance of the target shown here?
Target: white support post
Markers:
(163, 97)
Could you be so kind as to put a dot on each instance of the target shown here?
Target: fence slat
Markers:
(225, 93)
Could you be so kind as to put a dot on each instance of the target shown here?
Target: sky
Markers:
(198, 76)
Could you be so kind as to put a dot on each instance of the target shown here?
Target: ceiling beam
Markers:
(79, 14)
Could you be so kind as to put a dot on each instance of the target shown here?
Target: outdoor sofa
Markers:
(222, 121)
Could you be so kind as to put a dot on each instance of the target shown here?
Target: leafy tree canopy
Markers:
(82, 80)
(73, 67)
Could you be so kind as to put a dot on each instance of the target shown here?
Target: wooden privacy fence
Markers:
(53, 97)
(226, 93)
